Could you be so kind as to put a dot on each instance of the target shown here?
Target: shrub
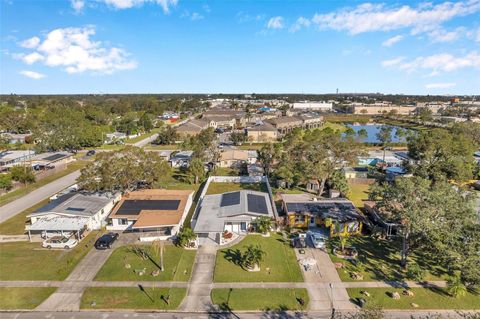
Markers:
(415, 272)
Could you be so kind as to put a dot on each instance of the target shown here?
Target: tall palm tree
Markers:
(253, 256)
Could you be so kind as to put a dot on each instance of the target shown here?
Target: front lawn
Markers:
(425, 298)
(178, 264)
(219, 188)
(358, 193)
(380, 260)
(132, 298)
(143, 136)
(14, 298)
(29, 261)
(260, 299)
(279, 264)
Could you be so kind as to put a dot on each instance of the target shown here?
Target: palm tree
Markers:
(456, 288)
(185, 236)
(253, 256)
(264, 224)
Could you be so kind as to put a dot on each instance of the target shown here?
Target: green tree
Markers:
(266, 156)
(145, 121)
(124, 170)
(362, 134)
(238, 138)
(22, 174)
(253, 256)
(196, 170)
(425, 211)
(456, 288)
(166, 136)
(338, 182)
(263, 224)
(5, 181)
(440, 155)
(384, 136)
(185, 236)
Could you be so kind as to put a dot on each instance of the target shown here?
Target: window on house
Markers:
(123, 221)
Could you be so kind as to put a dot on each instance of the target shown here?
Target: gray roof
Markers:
(216, 210)
(59, 223)
(76, 204)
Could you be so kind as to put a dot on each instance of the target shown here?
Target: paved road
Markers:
(17, 206)
(209, 315)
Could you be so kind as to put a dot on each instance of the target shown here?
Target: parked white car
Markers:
(317, 239)
(59, 242)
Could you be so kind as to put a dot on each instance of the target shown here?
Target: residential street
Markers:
(36, 196)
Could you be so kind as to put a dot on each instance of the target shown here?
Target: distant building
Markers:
(115, 137)
(224, 116)
(264, 132)
(192, 127)
(12, 158)
(375, 109)
(286, 124)
(14, 138)
(236, 158)
(181, 159)
(314, 106)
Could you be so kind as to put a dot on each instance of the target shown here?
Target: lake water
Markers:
(372, 131)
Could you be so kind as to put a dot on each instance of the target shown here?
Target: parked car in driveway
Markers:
(299, 241)
(59, 242)
(91, 153)
(317, 239)
(106, 241)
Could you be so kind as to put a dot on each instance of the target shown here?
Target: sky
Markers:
(271, 46)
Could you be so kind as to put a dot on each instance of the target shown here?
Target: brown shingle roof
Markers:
(157, 217)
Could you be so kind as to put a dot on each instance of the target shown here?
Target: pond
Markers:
(373, 129)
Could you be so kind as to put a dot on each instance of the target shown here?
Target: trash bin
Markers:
(361, 302)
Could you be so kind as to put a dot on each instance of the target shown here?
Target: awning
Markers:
(59, 223)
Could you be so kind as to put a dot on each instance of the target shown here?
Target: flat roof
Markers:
(216, 210)
(152, 207)
(59, 223)
(76, 204)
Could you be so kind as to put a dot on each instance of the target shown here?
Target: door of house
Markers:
(243, 226)
(312, 221)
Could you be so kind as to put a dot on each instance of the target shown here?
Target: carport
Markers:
(60, 224)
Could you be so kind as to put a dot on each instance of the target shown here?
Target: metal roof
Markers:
(59, 223)
(76, 204)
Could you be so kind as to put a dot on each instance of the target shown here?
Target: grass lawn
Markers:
(28, 261)
(225, 171)
(23, 297)
(425, 298)
(380, 260)
(218, 188)
(131, 298)
(178, 264)
(357, 193)
(279, 264)
(16, 224)
(11, 196)
(111, 147)
(260, 299)
(334, 126)
(143, 136)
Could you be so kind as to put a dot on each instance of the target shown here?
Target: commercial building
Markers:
(313, 106)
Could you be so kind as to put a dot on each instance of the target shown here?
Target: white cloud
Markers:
(392, 62)
(391, 41)
(440, 85)
(77, 5)
(436, 63)
(442, 35)
(32, 58)
(300, 23)
(73, 50)
(32, 74)
(370, 17)
(30, 43)
(126, 4)
(275, 23)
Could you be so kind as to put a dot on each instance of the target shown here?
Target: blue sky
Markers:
(180, 46)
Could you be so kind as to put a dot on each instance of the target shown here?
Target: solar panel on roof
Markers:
(230, 199)
(257, 204)
(54, 157)
(134, 207)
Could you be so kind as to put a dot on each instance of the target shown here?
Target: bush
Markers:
(5, 181)
(415, 272)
